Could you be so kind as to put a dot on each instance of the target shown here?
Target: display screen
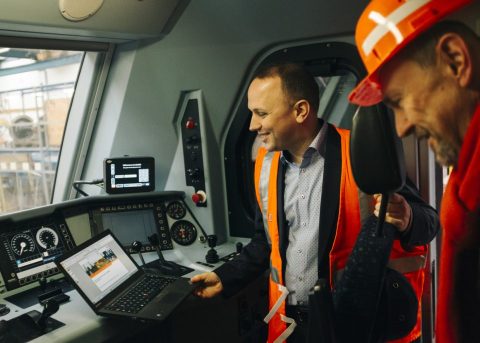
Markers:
(133, 221)
(129, 174)
(130, 226)
(31, 252)
(99, 268)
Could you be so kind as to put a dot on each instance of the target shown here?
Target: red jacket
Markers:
(457, 305)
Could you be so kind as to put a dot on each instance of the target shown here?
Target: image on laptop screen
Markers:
(99, 268)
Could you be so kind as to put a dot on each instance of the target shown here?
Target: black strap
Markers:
(330, 200)
(282, 220)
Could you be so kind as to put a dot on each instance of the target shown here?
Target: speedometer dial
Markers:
(22, 244)
(183, 232)
(47, 238)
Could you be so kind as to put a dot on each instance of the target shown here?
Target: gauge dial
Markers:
(176, 210)
(47, 238)
(22, 244)
(183, 232)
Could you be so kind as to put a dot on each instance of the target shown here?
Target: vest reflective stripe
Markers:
(288, 331)
(266, 169)
(263, 171)
(408, 264)
(402, 265)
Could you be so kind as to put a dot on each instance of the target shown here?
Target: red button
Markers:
(196, 198)
(200, 197)
(190, 124)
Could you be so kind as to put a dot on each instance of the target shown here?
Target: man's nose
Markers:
(403, 125)
(254, 124)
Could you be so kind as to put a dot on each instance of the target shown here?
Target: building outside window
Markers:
(36, 89)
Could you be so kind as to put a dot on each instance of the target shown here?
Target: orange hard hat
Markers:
(384, 28)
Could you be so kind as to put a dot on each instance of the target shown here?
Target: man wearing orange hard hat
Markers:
(425, 65)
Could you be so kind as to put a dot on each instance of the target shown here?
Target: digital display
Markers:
(129, 174)
(31, 252)
(130, 226)
(133, 221)
(99, 268)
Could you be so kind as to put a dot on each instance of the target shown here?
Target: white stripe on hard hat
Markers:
(382, 21)
(389, 23)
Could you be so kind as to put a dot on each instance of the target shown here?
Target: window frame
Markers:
(83, 108)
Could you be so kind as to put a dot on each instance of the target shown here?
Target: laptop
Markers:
(114, 285)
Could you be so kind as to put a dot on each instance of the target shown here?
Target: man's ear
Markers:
(454, 53)
(302, 110)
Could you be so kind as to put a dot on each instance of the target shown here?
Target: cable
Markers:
(194, 218)
(75, 185)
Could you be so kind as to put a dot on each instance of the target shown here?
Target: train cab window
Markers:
(337, 69)
(37, 86)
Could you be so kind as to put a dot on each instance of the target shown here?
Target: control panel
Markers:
(192, 152)
(31, 240)
(136, 221)
(29, 250)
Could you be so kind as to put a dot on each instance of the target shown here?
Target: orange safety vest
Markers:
(410, 264)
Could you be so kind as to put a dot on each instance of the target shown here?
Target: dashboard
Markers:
(31, 241)
(29, 249)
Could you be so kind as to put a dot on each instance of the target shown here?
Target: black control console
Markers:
(163, 266)
(192, 148)
(30, 325)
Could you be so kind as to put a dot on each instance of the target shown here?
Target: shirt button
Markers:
(302, 196)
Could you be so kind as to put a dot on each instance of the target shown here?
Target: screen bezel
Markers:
(148, 162)
(97, 223)
(97, 306)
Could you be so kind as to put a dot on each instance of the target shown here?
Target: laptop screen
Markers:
(99, 268)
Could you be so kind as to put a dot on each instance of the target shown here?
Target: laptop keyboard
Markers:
(144, 291)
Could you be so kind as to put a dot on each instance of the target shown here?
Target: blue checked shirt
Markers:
(302, 199)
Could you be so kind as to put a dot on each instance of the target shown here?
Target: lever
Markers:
(137, 247)
(50, 307)
(166, 267)
(43, 284)
(212, 255)
(154, 241)
(4, 309)
(239, 247)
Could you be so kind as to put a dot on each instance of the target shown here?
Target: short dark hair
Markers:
(297, 82)
(422, 48)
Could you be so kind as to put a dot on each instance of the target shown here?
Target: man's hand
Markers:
(208, 285)
(399, 212)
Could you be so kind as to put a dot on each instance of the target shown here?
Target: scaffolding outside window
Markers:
(36, 89)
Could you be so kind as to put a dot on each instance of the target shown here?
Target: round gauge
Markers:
(47, 238)
(176, 210)
(183, 232)
(22, 243)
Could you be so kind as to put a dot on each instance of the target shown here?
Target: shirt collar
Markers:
(317, 145)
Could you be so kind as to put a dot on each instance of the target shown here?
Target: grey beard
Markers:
(446, 154)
